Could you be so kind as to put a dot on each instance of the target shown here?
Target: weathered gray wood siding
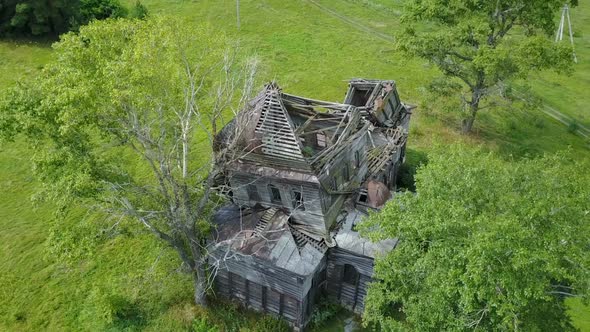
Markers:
(390, 173)
(318, 283)
(312, 214)
(262, 287)
(352, 162)
(258, 297)
(348, 295)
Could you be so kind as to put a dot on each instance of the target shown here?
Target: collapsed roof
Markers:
(301, 137)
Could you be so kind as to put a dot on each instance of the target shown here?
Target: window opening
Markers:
(363, 198)
(321, 140)
(360, 97)
(297, 200)
(345, 173)
(253, 192)
(275, 194)
(357, 158)
(350, 274)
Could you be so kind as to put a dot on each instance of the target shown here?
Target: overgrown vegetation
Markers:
(20, 18)
(304, 48)
(324, 312)
(143, 89)
(485, 243)
(481, 46)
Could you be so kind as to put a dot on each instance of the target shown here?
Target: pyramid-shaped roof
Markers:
(285, 130)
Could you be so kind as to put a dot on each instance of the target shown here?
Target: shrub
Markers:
(573, 127)
(323, 312)
(52, 18)
(139, 11)
(202, 325)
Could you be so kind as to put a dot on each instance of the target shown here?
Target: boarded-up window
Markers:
(275, 194)
(253, 192)
(297, 200)
(350, 275)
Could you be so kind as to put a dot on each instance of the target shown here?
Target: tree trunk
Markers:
(200, 281)
(467, 124)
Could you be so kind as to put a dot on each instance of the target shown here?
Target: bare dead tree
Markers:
(176, 145)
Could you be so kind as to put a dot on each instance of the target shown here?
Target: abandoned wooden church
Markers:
(304, 173)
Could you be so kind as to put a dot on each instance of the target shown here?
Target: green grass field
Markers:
(309, 51)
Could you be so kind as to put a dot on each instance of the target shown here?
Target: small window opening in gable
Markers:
(297, 200)
(321, 140)
(275, 194)
(334, 183)
(350, 275)
(357, 159)
(253, 192)
(363, 197)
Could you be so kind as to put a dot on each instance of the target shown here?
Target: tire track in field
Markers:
(353, 23)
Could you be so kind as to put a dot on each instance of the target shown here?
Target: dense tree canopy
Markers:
(480, 45)
(53, 17)
(123, 120)
(485, 244)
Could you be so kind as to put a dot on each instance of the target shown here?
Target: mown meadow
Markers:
(133, 282)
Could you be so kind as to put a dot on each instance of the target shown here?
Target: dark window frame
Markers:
(350, 275)
(345, 173)
(297, 199)
(275, 194)
(253, 194)
(357, 158)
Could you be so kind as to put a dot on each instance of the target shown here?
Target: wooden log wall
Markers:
(351, 296)
(259, 271)
(259, 297)
(315, 292)
(271, 290)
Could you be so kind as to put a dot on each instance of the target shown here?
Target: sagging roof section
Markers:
(267, 235)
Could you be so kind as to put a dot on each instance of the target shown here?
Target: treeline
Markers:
(25, 18)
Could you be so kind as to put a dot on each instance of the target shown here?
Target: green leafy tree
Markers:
(53, 17)
(480, 45)
(37, 17)
(100, 10)
(123, 121)
(485, 244)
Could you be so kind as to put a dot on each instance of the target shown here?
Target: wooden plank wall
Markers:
(315, 292)
(349, 296)
(313, 214)
(258, 297)
(276, 291)
(356, 175)
(258, 271)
